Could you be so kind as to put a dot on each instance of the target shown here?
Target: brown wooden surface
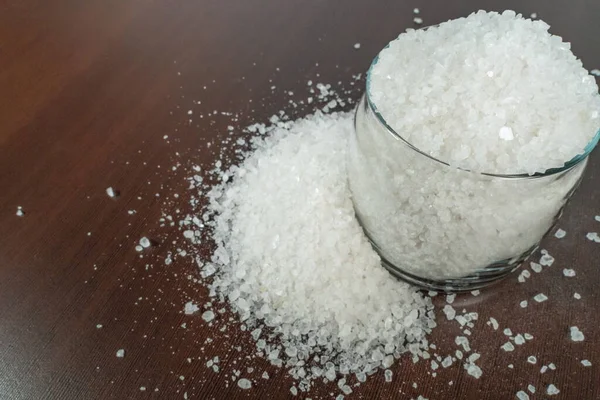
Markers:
(89, 88)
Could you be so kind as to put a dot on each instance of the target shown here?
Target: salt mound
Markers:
(490, 92)
(293, 261)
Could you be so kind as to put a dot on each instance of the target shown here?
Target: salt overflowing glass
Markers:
(441, 227)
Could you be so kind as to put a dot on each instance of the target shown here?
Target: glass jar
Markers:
(441, 227)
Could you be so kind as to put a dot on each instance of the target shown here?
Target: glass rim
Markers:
(551, 171)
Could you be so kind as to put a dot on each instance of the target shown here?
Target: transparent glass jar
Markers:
(441, 227)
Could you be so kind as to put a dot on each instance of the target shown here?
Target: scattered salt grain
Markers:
(576, 334)
(507, 332)
(138, 248)
(190, 308)
(416, 11)
(546, 259)
(99, 326)
(388, 375)
(475, 292)
(552, 390)
(533, 15)
(535, 267)
(540, 297)
(494, 323)
(145, 242)
(531, 359)
(543, 369)
(577, 296)
(357, 46)
(593, 236)
(559, 234)
(523, 303)
(449, 311)
(473, 370)
(418, 20)
(111, 192)
(552, 366)
(519, 339)
(208, 315)
(20, 212)
(508, 346)
(450, 298)
(586, 363)
(244, 383)
(595, 72)
(120, 353)
(569, 272)
(531, 389)
(521, 395)
(597, 218)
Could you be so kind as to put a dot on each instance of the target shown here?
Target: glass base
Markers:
(484, 277)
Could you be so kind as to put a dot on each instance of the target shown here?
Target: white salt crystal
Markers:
(506, 133)
(519, 339)
(99, 326)
(418, 20)
(494, 323)
(190, 308)
(188, 234)
(595, 72)
(265, 375)
(576, 334)
(552, 366)
(528, 336)
(531, 389)
(475, 292)
(577, 295)
(597, 218)
(521, 395)
(568, 272)
(244, 383)
(357, 46)
(507, 332)
(559, 234)
(523, 303)
(508, 346)
(543, 369)
(540, 297)
(416, 11)
(447, 362)
(388, 375)
(552, 390)
(450, 298)
(111, 192)
(531, 359)
(586, 363)
(533, 15)
(593, 236)
(473, 370)
(145, 242)
(120, 353)
(208, 315)
(449, 311)
(535, 267)
(546, 260)
(138, 248)
(20, 212)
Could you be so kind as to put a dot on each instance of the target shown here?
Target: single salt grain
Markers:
(418, 20)
(540, 297)
(552, 390)
(597, 218)
(111, 192)
(531, 389)
(535, 267)
(586, 363)
(507, 332)
(593, 236)
(494, 323)
(138, 248)
(576, 334)
(388, 375)
(519, 339)
(508, 346)
(533, 15)
(506, 133)
(475, 292)
(569, 272)
(595, 72)
(552, 366)
(449, 311)
(190, 308)
(450, 298)
(528, 336)
(99, 326)
(531, 359)
(523, 303)
(120, 353)
(208, 316)
(473, 370)
(145, 242)
(244, 383)
(521, 395)
(577, 296)
(559, 234)
(20, 212)
(546, 260)
(416, 11)
(265, 375)
(357, 46)
(543, 369)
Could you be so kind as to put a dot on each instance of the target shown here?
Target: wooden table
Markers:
(88, 91)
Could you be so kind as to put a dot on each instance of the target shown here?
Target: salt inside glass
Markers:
(443, 227)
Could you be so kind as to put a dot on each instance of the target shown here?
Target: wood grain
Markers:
(88, 89)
